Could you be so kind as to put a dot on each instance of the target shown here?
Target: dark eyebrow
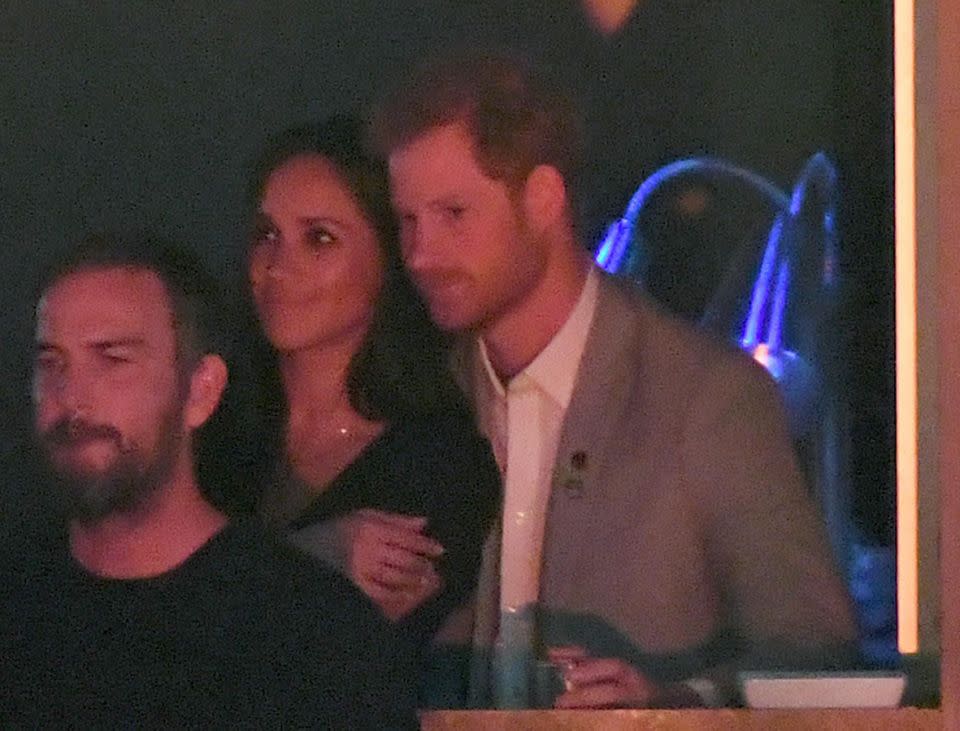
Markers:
(321, 220)
(133, 341)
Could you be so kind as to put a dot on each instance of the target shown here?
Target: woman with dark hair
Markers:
(378, 468)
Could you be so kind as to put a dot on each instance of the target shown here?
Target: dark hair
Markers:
(517, 117)
(193, 294)
(400, 368)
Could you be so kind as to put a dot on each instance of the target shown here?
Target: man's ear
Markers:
(207, 382)
(544, 198)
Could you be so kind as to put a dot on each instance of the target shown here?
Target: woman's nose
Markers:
(266, 263)
(273, 263)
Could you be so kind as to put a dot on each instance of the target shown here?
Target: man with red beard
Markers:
(656, 535)
(158, 610)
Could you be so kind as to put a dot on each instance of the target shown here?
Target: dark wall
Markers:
(144, 113)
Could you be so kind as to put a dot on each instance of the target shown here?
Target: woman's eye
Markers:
(320, 237)
(263, 235)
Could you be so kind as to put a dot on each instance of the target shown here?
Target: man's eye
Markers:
(115, 357)
(46, 363)
(454, 213)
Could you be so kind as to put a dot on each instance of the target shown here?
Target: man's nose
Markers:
(73, 391)
(419, 245)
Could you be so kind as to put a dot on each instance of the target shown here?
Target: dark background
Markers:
(146, 113)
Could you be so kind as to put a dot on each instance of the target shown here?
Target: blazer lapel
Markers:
(606, 373)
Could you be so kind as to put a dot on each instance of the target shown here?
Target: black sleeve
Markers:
(379, 678)
(455, 468)
(354, 669)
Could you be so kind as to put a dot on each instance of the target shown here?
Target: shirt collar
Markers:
(554, 370)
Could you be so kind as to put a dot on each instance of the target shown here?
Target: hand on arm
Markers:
(391, 559)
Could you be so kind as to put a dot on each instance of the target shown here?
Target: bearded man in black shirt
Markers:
(156, 610)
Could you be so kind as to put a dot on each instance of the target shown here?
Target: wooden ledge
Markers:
(687, 720)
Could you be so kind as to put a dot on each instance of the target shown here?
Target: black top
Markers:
(435, 466)
(245, 633)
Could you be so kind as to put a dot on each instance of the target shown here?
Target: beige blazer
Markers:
(680, 535)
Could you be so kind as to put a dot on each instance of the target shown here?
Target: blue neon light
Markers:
(613, 254)
(758, 300)
(622, 247)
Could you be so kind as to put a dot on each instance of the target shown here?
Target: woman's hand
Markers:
(391, 559)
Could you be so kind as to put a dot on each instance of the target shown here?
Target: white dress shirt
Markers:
(523, 422)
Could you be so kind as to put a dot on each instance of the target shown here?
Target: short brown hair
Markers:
(518, 119)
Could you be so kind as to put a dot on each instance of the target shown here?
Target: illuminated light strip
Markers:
(775, 328)
(758, 300)
(904, 95)
(616, 244)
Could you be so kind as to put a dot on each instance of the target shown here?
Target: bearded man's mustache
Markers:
(69, 432)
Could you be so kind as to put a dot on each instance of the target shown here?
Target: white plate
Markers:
(822, 690)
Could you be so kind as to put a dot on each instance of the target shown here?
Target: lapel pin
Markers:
(573, 474)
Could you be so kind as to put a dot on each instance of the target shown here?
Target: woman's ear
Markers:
(207, 383)
(544, 198)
